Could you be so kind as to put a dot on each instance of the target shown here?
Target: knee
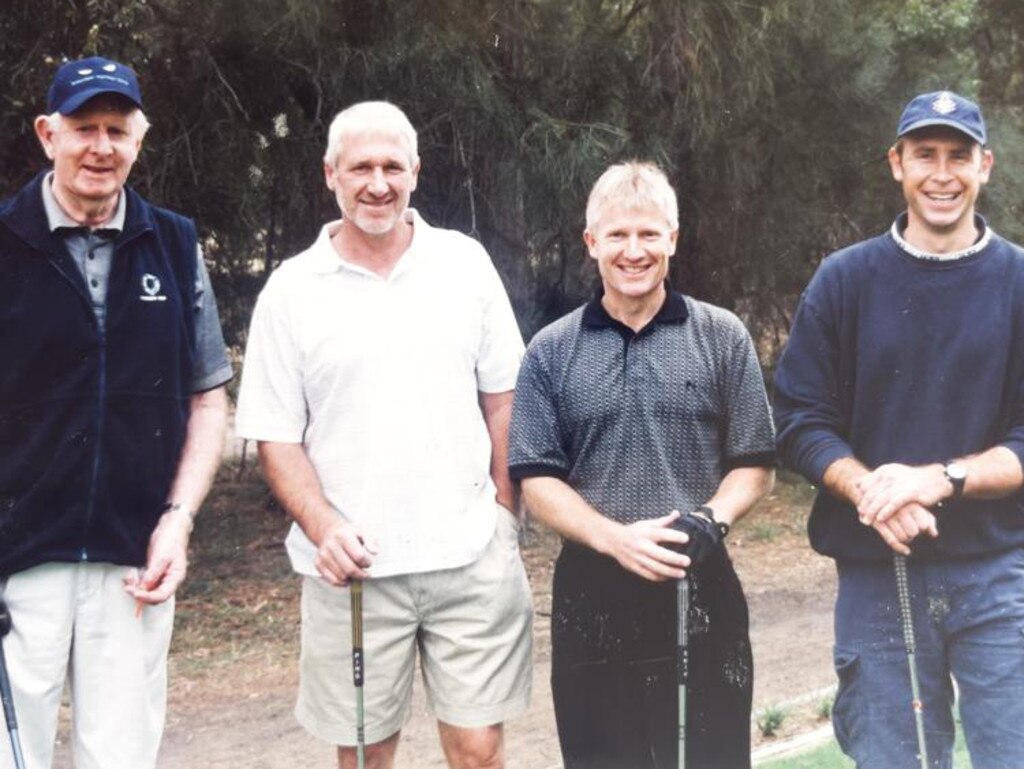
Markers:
(481, 748)
(379, 755)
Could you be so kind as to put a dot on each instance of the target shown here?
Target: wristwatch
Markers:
(956, 474)
(704, 511)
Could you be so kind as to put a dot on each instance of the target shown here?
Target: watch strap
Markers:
(956, 480)
(706, 511)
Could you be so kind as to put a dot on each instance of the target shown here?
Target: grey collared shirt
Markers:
(92, 249)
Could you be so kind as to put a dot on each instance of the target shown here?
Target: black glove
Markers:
(705, 537)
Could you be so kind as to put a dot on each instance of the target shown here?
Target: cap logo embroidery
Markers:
(944, 104)
(109, 67)
(151, 289)
(85, 71)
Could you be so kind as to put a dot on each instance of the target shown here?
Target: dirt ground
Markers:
(234, 657)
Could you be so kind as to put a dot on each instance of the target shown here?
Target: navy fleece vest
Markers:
(91, 423)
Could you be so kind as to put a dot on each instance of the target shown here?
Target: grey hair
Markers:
(634, 185)
(379, 116)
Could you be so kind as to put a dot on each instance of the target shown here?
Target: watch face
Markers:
(956, 472)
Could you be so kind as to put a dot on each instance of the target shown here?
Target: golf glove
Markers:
(705, 536)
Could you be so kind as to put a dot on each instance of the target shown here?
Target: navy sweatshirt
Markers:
(898, 359)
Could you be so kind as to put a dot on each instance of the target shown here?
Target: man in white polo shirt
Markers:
(378, 382)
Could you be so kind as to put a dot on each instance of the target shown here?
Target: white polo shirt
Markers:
(378, 378)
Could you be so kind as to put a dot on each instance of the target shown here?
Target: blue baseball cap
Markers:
(943, 108)
(78, 81)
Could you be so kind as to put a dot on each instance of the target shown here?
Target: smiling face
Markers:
(632, 247)
(372, 180)
(93, 150)
(941, 171)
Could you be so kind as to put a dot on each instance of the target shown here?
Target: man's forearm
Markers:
(557, 505)
(203, 450)
(497, 411)
(739, 491)
(294, 483)
(840, 478)
(992, 474)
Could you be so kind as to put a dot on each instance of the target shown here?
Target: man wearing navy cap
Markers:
(112, 418)
(901, 396)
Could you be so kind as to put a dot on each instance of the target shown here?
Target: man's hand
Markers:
(166, 560)
(908, 523)
(889, 488)
(644, 548)
(343, 553)
(704, 535)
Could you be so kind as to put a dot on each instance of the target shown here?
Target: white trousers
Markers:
(74, 622)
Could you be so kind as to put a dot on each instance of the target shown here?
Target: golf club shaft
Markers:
(8, 703)
(356, 596)
(903, 591)
(682, 659)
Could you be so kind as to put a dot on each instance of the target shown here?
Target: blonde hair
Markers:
(633, 185)
(380, 116)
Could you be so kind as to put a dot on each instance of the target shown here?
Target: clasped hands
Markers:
(894, 499)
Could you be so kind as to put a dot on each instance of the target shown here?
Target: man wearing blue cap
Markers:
(112, 418)
(901, 396)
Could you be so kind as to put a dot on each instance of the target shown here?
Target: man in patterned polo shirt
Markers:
(641, 429)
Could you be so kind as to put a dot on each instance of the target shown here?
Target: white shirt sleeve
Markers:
(271, 399)
(501, 344)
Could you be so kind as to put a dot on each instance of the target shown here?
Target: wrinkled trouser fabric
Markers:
(74, 622)
(613, 673)
(968, 618)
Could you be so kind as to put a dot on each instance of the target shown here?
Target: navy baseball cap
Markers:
(943, 108)
(78, 81)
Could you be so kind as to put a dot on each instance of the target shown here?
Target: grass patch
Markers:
(763, 531)
(829, 756)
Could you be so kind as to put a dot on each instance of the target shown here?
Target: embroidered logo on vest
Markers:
(151, 289)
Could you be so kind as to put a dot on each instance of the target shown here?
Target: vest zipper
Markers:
(101, 398)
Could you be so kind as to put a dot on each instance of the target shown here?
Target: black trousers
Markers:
(613, 672)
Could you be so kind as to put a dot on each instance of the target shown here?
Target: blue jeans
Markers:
(968, 620)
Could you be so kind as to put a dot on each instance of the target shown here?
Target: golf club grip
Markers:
(682, 631)
(357, 632)
(903, 596)
(907, 619)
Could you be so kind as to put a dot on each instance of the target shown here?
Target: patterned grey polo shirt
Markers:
(641, 423)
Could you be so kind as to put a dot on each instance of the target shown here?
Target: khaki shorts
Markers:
(473, 628)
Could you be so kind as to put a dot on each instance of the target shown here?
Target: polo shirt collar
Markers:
(57, 218)
(327, 260)
(672, 311)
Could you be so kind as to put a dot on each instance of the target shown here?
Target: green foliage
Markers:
(824, 709)
(771, 117)
(770, 720)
